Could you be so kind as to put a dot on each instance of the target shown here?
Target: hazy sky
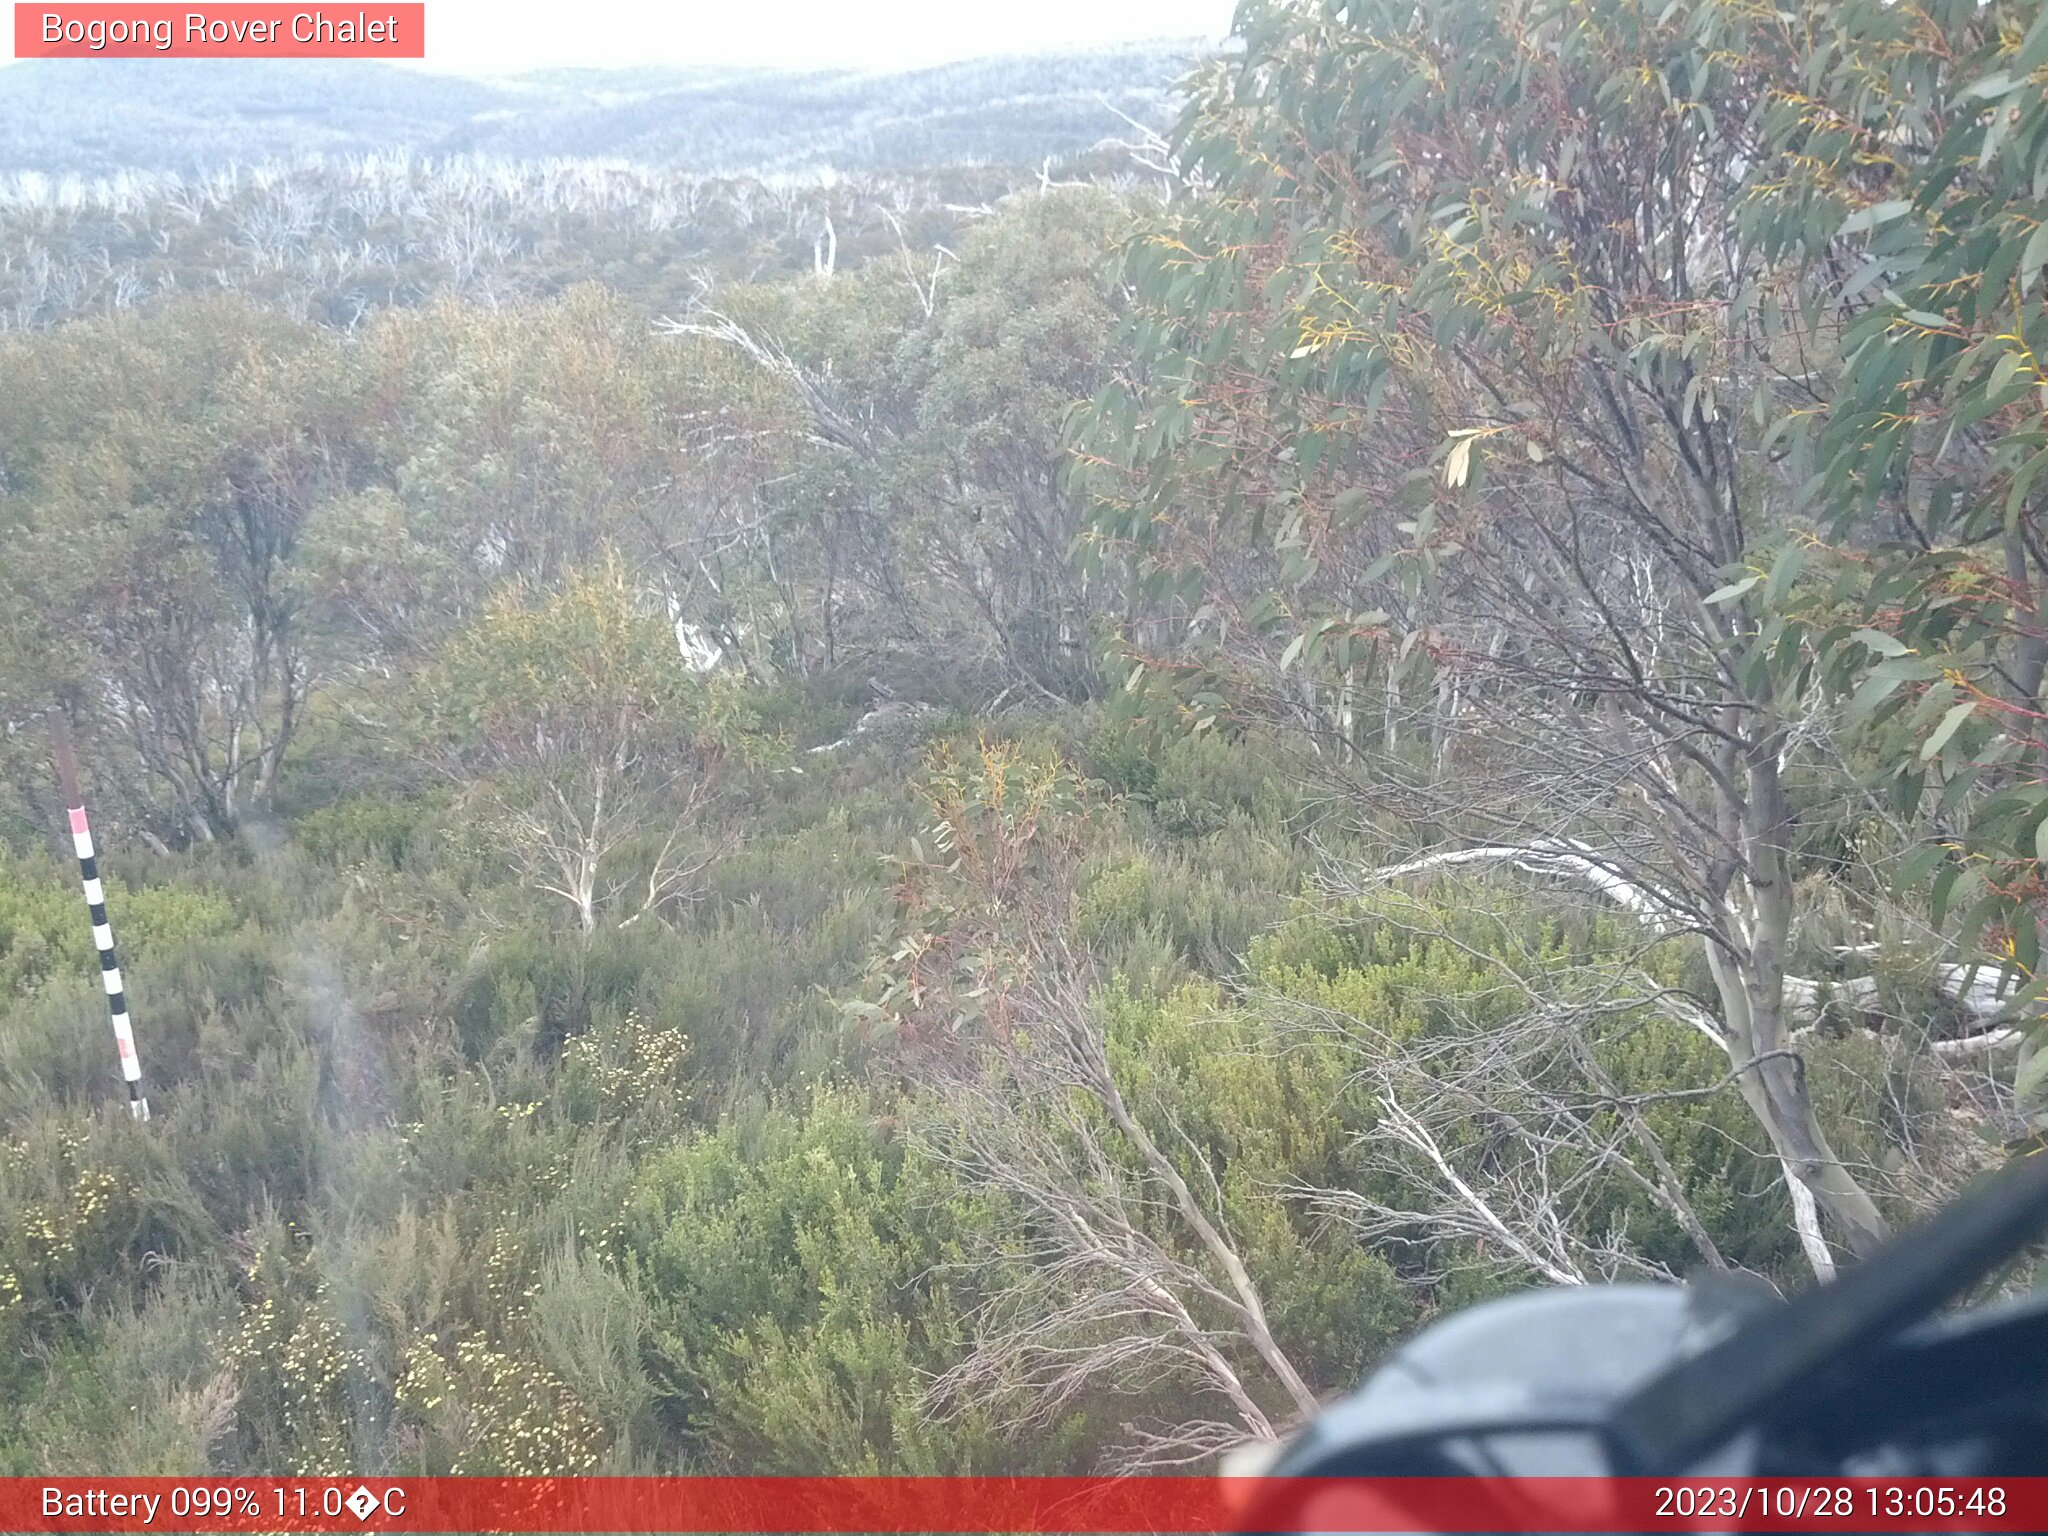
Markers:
(487, 36)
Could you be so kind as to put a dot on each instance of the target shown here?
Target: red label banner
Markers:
(1058, 1506)
(376, 31)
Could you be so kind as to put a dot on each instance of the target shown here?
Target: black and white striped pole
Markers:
(96, 905)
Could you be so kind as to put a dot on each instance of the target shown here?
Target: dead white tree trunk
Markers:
(1506, 1138)
(1131, 1278)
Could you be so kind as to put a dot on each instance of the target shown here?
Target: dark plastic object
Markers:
(1721, 1379)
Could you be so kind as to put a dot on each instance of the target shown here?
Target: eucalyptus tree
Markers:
(928, 515)
(1457, 401)
(1913, 171)
(592, 747)
(163, 477)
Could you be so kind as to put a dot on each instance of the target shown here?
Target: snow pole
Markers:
(96, 906)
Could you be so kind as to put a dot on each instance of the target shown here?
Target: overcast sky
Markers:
(491, 36)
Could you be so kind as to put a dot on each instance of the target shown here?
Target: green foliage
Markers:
(1262, 1122)
(297, 1378)
(142, 1395)
(363, 827)
(570, 663)
(66, 1218)
(1924, 456)
(1408, 200)
(44, 932)
(1437, 976)
(509, 1417)
(1004, 821)
(801, 1261)
(630, 1076)
(39, 926)
(165, 558)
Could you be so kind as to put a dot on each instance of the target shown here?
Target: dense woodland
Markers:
(109, 117)
(1005, 820)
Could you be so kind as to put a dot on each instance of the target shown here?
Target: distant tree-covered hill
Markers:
(192, 115)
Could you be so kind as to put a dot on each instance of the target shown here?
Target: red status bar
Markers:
(1037, 1505)
(235, 31)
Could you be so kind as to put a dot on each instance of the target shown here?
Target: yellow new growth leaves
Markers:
(1458, 461)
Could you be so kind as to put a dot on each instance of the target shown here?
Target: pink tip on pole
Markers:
(78, 818)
